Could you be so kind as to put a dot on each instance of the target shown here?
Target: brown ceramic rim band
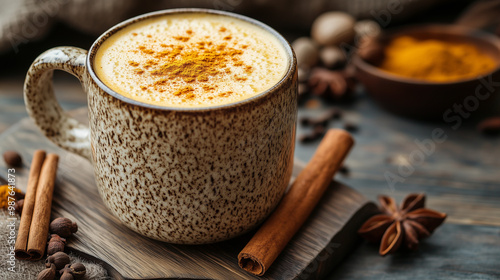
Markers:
(458, 30)
(95, 46)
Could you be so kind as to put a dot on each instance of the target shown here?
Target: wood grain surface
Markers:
(326, 238)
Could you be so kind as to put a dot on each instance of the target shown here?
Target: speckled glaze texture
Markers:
(187, 176)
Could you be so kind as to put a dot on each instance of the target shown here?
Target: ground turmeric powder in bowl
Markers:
(435, 60)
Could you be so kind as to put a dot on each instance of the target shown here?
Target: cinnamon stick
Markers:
(39, 228)
(21, 245)
(297, 204)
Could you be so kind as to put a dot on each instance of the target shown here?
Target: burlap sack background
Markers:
(22, 21)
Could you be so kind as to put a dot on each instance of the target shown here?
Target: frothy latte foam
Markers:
(191, 60)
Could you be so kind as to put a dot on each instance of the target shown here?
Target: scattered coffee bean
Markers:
(306, 138)
(344, 170)
(13, 159)
(333, 114)
(319, 129)
(351, 127)
(306, 121)
(489, 126)
(316, 134)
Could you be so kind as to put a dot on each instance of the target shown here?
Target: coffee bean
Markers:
(319, 129)
(13, 159)
(344, 170)
(306, 138)
(334, 114)
(316, 134)
(322, 120)
(351, 127)
(306, 121)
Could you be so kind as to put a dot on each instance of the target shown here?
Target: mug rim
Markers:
(291, 59)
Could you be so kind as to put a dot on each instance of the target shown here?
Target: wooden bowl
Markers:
(433, 100)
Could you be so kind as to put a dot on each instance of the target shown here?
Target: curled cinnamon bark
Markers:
(297, 204)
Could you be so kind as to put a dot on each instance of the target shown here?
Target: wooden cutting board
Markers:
(326, 238)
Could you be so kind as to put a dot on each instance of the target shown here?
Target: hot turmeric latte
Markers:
(435, 60)
(191, 60)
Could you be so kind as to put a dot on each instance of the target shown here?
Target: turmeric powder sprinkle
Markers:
(435, 60)
(5, 193)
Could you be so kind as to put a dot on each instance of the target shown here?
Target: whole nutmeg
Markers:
(332, 56)
(63, 227)
(18, 207)
(48, 273)
(59, 259)
(365, 28)
(13, 159)
(55, 244)
(78, 270)
(333, 28)
(306, 52)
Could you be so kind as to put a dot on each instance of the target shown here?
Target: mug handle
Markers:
(41, 103)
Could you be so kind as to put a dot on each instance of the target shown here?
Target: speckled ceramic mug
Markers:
(181, 175)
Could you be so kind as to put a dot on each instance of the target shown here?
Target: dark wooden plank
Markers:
(328, 236)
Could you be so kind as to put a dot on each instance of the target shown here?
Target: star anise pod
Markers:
(331, 84)
(397, 225)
